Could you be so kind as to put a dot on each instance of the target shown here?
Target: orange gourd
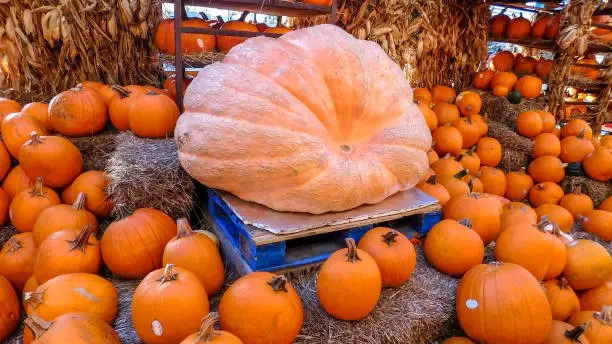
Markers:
(8, 106)
(483, 213)
(263, 301)
(93, 184)
(74, 292)
(429, 115)
(525, 65)
(120, 103)
(529, 86)
(443, 94)
(598, 165)
(16, 129)
(28, 204)
(543, 68)
(17, 259)
(208, 335)
(308, 120)
(421, 95)
(598, 222)
(469, 103)
(556, 214)
(482, 124)
(134, 245)
(575, 148)
(546, 144)
(518, 185)
(226, 43)
(447, 139)
(548, 121)
(501, 91)
(606, 204)
(455, 185)
(504, 79)
(197, 253)
(502, 303)
(547, 169)
(577, 203)
(435, 189)
(562, 299)
(518, 28)
(77, 112)
(41, 154)
(448, 166)
(594, 299)
(498, 24)
(446, 113)
(540, 24)
(63, 216)
(94, 85)
(500, 62)
(453, 248)
(545, 193)
(73, 328)
(489, 151)
(10, 312)
(564, 333)
(16, 180)
(482, 80)
(515, 213)
(470, 160)
(589, 264)
(470, 131)
(393, 252)
(347, 275)
(493, 180)
(5, 161)
(529, 123)
(191, 43)
(153, 116)
(575, 127)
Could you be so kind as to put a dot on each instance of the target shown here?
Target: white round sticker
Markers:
(471, 304)
(157, 327)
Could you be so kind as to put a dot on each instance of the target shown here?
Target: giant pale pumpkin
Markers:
(313, 121)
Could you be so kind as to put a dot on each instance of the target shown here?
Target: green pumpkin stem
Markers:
(123, 92)
(581, 134)
(82, 239)
(432, 180)
(351, 254)
(37, 191)
(466, 222)
(459, 157)
(390, 237)
(471, 151)
(243, 16)
(207, 328)
(575, 333)
(37, 325)
(168, 275)
(13, 245)
(33, 298)
(183, 228)
(461, 174)
(605, 315)
(79, 203)
(279, 283)
(471, 184)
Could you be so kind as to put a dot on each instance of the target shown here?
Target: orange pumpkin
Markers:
(432, 156)
(134, 246)
(74, 328)
(153, 116)
(10, 312)
(501, 62)
(16, 180)
(598, 165)
(545, 193)
(120, 103)
(31, 284)
(447, 139)
(17, 259)
(469, 103)
(546, 144)
(529, 86)
(226, 43)
(548, 121)
(470, 160)
(575, 127)
(543, 68)
(505, 79)
(5, 161)
(455, 185)
(41, 154)
(208, 335)
(598, 329)
(515, 213)
(606, 204)
(482, 80)
(525, 65)
(594, 299)
(4, 207)
(453, 248)
(547, 169)
(447, 166)
(435, 189)
(556, 214)
(28, 204)
(77, 112)
(38, 110)
(577, 203)
(564, 333)
(493, 180)
(458, 340)
(562, 299)
(107, 93)
(8, 106)
(16, 129)
(483, 213)
(278, 30)
(359, 279)
(529, 123)
(446, 113)
(498, 24)
(470, 131)
(589, 264)
(94, 85)
(443, 94)
(575, 148)
(63, 216)
(170, 84)
(552, 30)
(519, 183)
(489, 151)
(429, 115)
(598, 222)
(540, 24)
(501, 91)
(474, 184)
(502, 303)
(192, 43)
(518, 28)
(93, 184)
(421, 95)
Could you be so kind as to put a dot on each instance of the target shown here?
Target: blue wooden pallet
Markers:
(252, 249)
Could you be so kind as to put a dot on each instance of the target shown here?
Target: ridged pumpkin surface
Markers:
(17, 259)
(9, 309)
(313, 121)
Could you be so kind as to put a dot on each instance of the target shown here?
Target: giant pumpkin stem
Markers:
(37, 325)
(207, 328)
(279, 283)
(605, 315)
(466, 222)
(351, 254)
(13, 245)
(183, 228)
(390, 237)
(37, 191)
(34, 138)
(576, 332)
(79, 203)
(82, 239)
(123, 92)
(168, 275)
(432, 180)
(33, 298)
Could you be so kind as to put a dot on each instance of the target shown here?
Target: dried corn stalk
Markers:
(436, 42)
(49, 45)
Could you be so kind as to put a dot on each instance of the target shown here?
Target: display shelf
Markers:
(536, 43)
(549, 7)
(273, 7)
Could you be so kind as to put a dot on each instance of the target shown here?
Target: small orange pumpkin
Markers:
(543, 68)
(498, 25)
(8, 106)
(545, 193)
(38, 110)
(429, 115)
(515, 213)
(529, 123)
(17, 259)
(575, 127)
(589, 264)
(577, 203)
(16, 129)
(225, 43)
(170, 84)
(470, 131)
(29, 203)
(443, 94)
(446, 113)
(208, 335)
(575, 148)
(93, 184)
(594, 299)
(525, 65)
(548, 121)
(540, 24)
(546, 144)
(598, 165)
(501, 61)
(556, 214)
(505, 79)
(483, 213)
(10, 312)
(469, 103)
(547, 169)
(447, 139)
(447, 166)
(529, 86)
(482, 80)
(455, 185)
(606, 204)
(518, 28)
(15, 181)
(421, 95)
(493, 180)
(563, 300)
(432, 156)
(435, 189)
(470, 160)
(489, 151)
(598, 222)
(564, 333)
(552, 30)
(597, 324)
(120, 103)
(74, 328)
(153, 116)
(77, 112)
(519, 183)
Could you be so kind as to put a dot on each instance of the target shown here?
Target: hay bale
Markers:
(123, 323)
(578, 233)
(501, 110)
(6, 232)
(147, 173)
(598, 191)
(97, 149)
(420, 311)
(508, 137)
(513, 160)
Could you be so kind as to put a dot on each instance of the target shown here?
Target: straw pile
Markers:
(435, 41)
(598, 191)
(501, 110)
(194, 60)
(97, 149)
(147, 173)
(51, 45)
(6, 232)
(516, 148)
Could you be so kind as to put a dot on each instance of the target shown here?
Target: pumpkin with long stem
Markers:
(556, 214)
(564, 333)
(153, 115)
(77, 112)
(563, 300)
(483, 213)
(73, 328)
(360, 280)
(16, 129)
(393, 252)
(536, 249)
(502, 303)
(490, 151)
(17, 259)
(598, 165)
(594, 299)
(575, 148)
(599, 329)
(208, 334)
(28, 204)
(10, 312)
(518, 185)
(589, 264)
(68, 251)
(63, 216)
(435, 189)
(547, 169)
(197, 253)
(577, 203)
(546, 144)
(41, 156)
(168, 305)
(15, 181)
(134, 245)
(75, 292)
(453, 248)
(546, 192)
(93, 184)
(120, 103)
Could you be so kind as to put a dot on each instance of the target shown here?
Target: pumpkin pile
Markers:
(544, 26)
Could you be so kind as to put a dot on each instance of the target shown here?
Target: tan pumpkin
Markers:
(79, 111)
(518, 185)
(598, 165)
(29, 203)
(577, 203)
(556, 214)
(443, 94)
(453, 248)
(547, 169)
(40, 156)
(483, 213)
(599, 328)
(435, 189)
(598, 222)
(197, 253)
(208, 335)
(16, 129)
(60, 217)
(322, 122)
(490, 151)
(393, 252)
(17, 259)
(564, 333)
(74, 292)
(15, 181)
(589, 264)
(546, 144)
(470, 131)
(447, 139)
(93, 184)
(529, 123)
(562, 299)
(493, 180)
(73, 328)
(514, 213)
(596, 298)
(575, 148)
(10, 312)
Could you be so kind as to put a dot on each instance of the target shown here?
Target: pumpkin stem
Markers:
(243, 16)
(13, 245)
(522, 170)
(123, 92)
(459, 157)
(351, 254)
(540, 186)
(168, 275)
(469, 119)
(466, 222)
(432, 180)
(471, 184)
(183, 228)
(79, 203)
(563, 283)
(574, 334)
(605, 315)
(578, 189)
(35, 138)
(279, 283)
(33, 298)
(581, 134)
(493, 266)
(37, 325)
(461, 174)
(544, 224)
(37, 191)
(82, 239)
(390, 237)
(471, 151)
(220, 19)
(207, 328)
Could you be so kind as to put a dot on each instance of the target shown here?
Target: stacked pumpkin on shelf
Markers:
(544, 26)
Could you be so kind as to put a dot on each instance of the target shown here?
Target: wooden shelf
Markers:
(536, 43)
(228, 32)
(550, 7)
(273, 7)
(589, 87)
(582, 103)
(594, 66)
(597, 47)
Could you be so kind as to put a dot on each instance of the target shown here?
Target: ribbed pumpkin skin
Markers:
(38, 110)
(503, 304)
(9, 309)
(16, 129)
(134, 246)
(482, 212)
(17, 259)
(594, 299)
(172, 300)
(562, 299)
(598, 222)
(453, 248)
(589, 264)
(77, 292)
(558, 334)
(352, 138)
(29, 203)
(120, 103)
(93, 184)
(251, 304)
(78, 112)
(15, 181)
(77, 328)
(599, 331)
